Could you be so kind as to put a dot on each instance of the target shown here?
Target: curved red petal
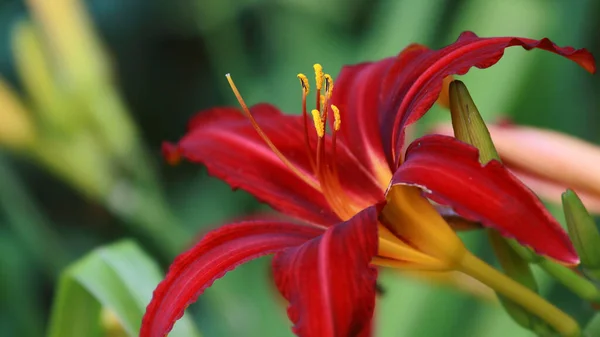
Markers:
(224, 140)
(329, 280)
(414, 88)
(449, 171)
(217, 253)
(356, 94)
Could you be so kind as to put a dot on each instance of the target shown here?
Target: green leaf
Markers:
(116, 279)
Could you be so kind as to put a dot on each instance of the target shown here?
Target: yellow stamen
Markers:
(328, 85)
(318, 75)
(318, 122)
(305, 90)
(304, 81)
(337, 120)
(323, 101)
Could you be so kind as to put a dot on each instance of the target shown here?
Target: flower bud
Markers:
(583, 233)
(468, 124)
(84, 69)
(51, 104)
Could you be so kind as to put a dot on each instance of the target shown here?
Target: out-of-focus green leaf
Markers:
(593, 327)
(495, 88)
(398, 24)
(119, 279)
(19, 289)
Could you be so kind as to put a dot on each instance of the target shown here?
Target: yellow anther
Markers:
(337, 120)
(323, 100)
(304, 81)
(318, 75)
(328, 85)
(316, 115)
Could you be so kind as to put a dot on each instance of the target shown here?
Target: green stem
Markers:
(570, 279)
(561, 322)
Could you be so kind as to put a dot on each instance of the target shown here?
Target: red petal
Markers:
(414, 88)
(356, 94)
(329, 280)
(225, 141)
(450, 172)
(171, 153)
(217, 253)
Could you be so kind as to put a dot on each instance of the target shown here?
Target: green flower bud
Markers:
(583, 232)
(468, 124)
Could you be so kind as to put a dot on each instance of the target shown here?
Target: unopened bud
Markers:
(35, 70)
(468, 124)
(583, 233)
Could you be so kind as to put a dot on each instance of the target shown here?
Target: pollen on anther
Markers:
(316, 115)
(328, 85)
(318, 75)
(337, 120)
(304, 81)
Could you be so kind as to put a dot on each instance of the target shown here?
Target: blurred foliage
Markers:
(158, 62)
(106, 293)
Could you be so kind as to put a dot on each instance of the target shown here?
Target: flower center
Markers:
(414, 234)
(324, 164)
(322, 156)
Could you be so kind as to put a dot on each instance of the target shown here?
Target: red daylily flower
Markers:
(357, 200)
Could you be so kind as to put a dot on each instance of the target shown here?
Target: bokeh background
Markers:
(90, 89)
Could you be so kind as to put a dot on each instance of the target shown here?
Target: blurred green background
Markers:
(91, 102)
